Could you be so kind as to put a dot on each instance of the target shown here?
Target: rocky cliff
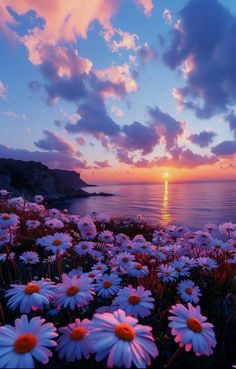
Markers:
(30, 178)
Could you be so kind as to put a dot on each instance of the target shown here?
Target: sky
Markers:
(120, 90)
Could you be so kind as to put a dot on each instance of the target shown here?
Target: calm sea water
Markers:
(189, 203)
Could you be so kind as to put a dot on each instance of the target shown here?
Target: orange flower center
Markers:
(178, 269)
(125, 259)
(92, 275)
(31, 288)
(84, 247)
(98, 268)
(78, 333)
(57, 242)
(134, 299)
(194, 325)
(168, 273)
(125, 332)
(25, 343)
(138, 266)
(72, 291)
(189, 291)
(107, 284)
(5, 217)
(3, 238)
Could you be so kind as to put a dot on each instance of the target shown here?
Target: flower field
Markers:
(98, 291)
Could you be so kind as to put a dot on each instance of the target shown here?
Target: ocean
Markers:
(189, 203)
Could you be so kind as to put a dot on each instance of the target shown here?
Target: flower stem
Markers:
(174, 357)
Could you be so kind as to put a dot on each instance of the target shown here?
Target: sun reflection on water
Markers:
(165, 215)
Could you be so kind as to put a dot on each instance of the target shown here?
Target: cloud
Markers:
(53, 159)
(167, 16)
(93, 119)
(128, 41)
(2, 90)
(202, 139)
(54, 142)
(206, 45)
(101, 164)
(147, 5)
(34, 86)
(225, 148)
(81, 141)
(13, 115)
(147, 53)
(166, 126)
(117, 111)
(231, 119)
(140, 137)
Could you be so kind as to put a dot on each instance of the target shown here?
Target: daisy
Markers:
(137, 270)
(84, 247)
(39, 199)
(56, 242)
(4, 237)
(32, 224)
(188, 291)
(17, 203)
(123, 340)
(207, 263)
(74, 343)
(108, 285)
(54, 213)
(227, 228)
(181, 268)
(74, 291)
(167, 273)
(33, 296)
(28, 340)
(54, 223)
(4, 193)
(8, 220)
(29, 257)
(137, 302)
(123, 259)
(100, 267)
(191, 329)
(106, 236)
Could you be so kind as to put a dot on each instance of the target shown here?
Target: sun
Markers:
(166, 174)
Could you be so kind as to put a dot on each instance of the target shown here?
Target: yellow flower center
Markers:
(189, 291)
(194, 325)
(107, 284)
(138, 266)
(134, 299)
(31, 288)
(5, 217)
(25, 343)
(72, 291)
(57, 242)
(125, 332)
(78, 333)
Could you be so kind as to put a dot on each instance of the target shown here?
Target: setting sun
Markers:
(166, 174)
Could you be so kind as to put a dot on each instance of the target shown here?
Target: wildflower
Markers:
(29, 257)
(227, 228)
(188, 291)
(84, 247)
(100, 267)
(123, 259)
(74, 291)
(137, 270)
(32, 224)
(28, 340)
(106, 236)
(108, 285)
(54, 223)
(191, 329)
(4, 237)
(39, 199)
(74, 343)
(167, 273)
(181, 268)
(57, 242)
(135, 301)
(8, 220)
(33, 296)
(207, 263)
(123, 340)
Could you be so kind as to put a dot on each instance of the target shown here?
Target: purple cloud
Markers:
(140, 137)
(53, 142)
(202, 139)
(205, 43)
(167, 127)
(101, 164)
(231, 119)
(225, 148)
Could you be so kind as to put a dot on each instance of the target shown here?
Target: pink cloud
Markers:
(2, 90)
(117, 111)
(146, 4)
(128, 41)
(167, 16)
(120, 75)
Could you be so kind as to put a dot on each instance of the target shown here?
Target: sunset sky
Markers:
(120, 90)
